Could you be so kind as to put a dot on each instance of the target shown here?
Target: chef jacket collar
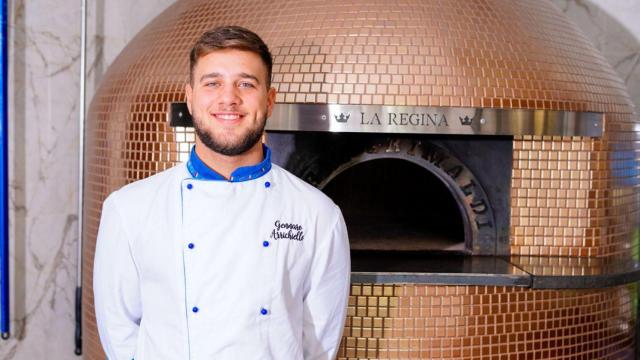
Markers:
(199, 170)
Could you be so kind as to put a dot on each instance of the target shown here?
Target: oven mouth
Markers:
(408, 193)
(395, 205)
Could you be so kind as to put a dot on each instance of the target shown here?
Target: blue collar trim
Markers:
(199, 170)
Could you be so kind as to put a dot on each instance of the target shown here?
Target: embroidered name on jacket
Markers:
(291, 231)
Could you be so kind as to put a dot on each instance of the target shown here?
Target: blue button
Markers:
(264, 311)
(195, 309)
(189, 186)
(265, 243)
(267, 184)
(191, 246)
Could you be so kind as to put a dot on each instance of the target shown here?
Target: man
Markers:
(226, 256)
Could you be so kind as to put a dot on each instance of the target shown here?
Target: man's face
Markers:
(229, 100)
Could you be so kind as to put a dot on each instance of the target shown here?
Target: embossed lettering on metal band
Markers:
(432, 120)
(422, 120)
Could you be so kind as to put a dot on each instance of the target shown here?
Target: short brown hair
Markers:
(230, 37)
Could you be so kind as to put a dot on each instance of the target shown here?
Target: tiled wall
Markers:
(487, 322)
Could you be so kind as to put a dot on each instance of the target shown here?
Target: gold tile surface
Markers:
(573, 196)
(569, 196)
(395, 321)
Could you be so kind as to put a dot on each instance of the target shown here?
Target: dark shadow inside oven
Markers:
(392, 204)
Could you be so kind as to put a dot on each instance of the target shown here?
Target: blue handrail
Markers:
(4, 179)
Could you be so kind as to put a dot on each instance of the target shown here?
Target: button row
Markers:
(266, 185)
(263, 311)
(264, 243)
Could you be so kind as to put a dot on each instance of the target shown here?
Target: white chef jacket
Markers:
(200, 269)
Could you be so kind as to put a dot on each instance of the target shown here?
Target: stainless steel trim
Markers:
(441, 278)
(81, 122)
(433, 120)
(81, 128)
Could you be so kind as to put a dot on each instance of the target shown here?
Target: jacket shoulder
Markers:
(140, 194)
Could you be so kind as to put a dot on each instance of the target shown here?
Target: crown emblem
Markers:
(465, 120)
(342, 118)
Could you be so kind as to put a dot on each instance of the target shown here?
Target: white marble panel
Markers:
(45, 51)
(625, 12)
(43, 176)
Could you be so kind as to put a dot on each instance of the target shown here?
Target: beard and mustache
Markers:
(230, 148)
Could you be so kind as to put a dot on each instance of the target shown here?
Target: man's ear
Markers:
(271, 100)
(188, 91)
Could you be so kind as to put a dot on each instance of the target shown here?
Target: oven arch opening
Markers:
(478, 186)
(393, 204)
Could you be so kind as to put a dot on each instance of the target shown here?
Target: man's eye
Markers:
(212, 84)
(246, 84)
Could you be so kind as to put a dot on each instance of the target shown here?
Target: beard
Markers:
(230, 148)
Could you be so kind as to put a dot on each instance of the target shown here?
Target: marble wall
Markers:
(44, 90)
(45, 47)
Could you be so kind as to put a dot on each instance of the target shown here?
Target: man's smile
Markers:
(227, 116)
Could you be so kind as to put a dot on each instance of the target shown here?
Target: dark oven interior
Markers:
(389, 205)
(404, 194)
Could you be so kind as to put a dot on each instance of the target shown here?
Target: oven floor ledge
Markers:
(538, 272)
(557, 272)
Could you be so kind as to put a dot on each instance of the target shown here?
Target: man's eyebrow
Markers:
(212, 75)
(243, 75)
(249, 76)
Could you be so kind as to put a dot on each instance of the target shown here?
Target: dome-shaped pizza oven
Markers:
(518, 140)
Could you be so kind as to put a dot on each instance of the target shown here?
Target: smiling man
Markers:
(226, 256)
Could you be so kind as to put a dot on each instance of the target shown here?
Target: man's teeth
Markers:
(228, 117)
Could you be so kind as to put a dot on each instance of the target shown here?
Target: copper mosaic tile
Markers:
(581, 200)
(484, 322)
(569, 197)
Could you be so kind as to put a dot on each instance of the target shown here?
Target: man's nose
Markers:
(229, 95)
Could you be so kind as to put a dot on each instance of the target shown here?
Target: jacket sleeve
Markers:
(116, 286)
(325, 301)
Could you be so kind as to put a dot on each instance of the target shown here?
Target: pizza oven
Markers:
(483, 153)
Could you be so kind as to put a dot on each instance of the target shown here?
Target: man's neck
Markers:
(225, 165)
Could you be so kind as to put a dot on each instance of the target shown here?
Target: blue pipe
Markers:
(4, 178)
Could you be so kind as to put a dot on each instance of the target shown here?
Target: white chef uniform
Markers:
(187, 267)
